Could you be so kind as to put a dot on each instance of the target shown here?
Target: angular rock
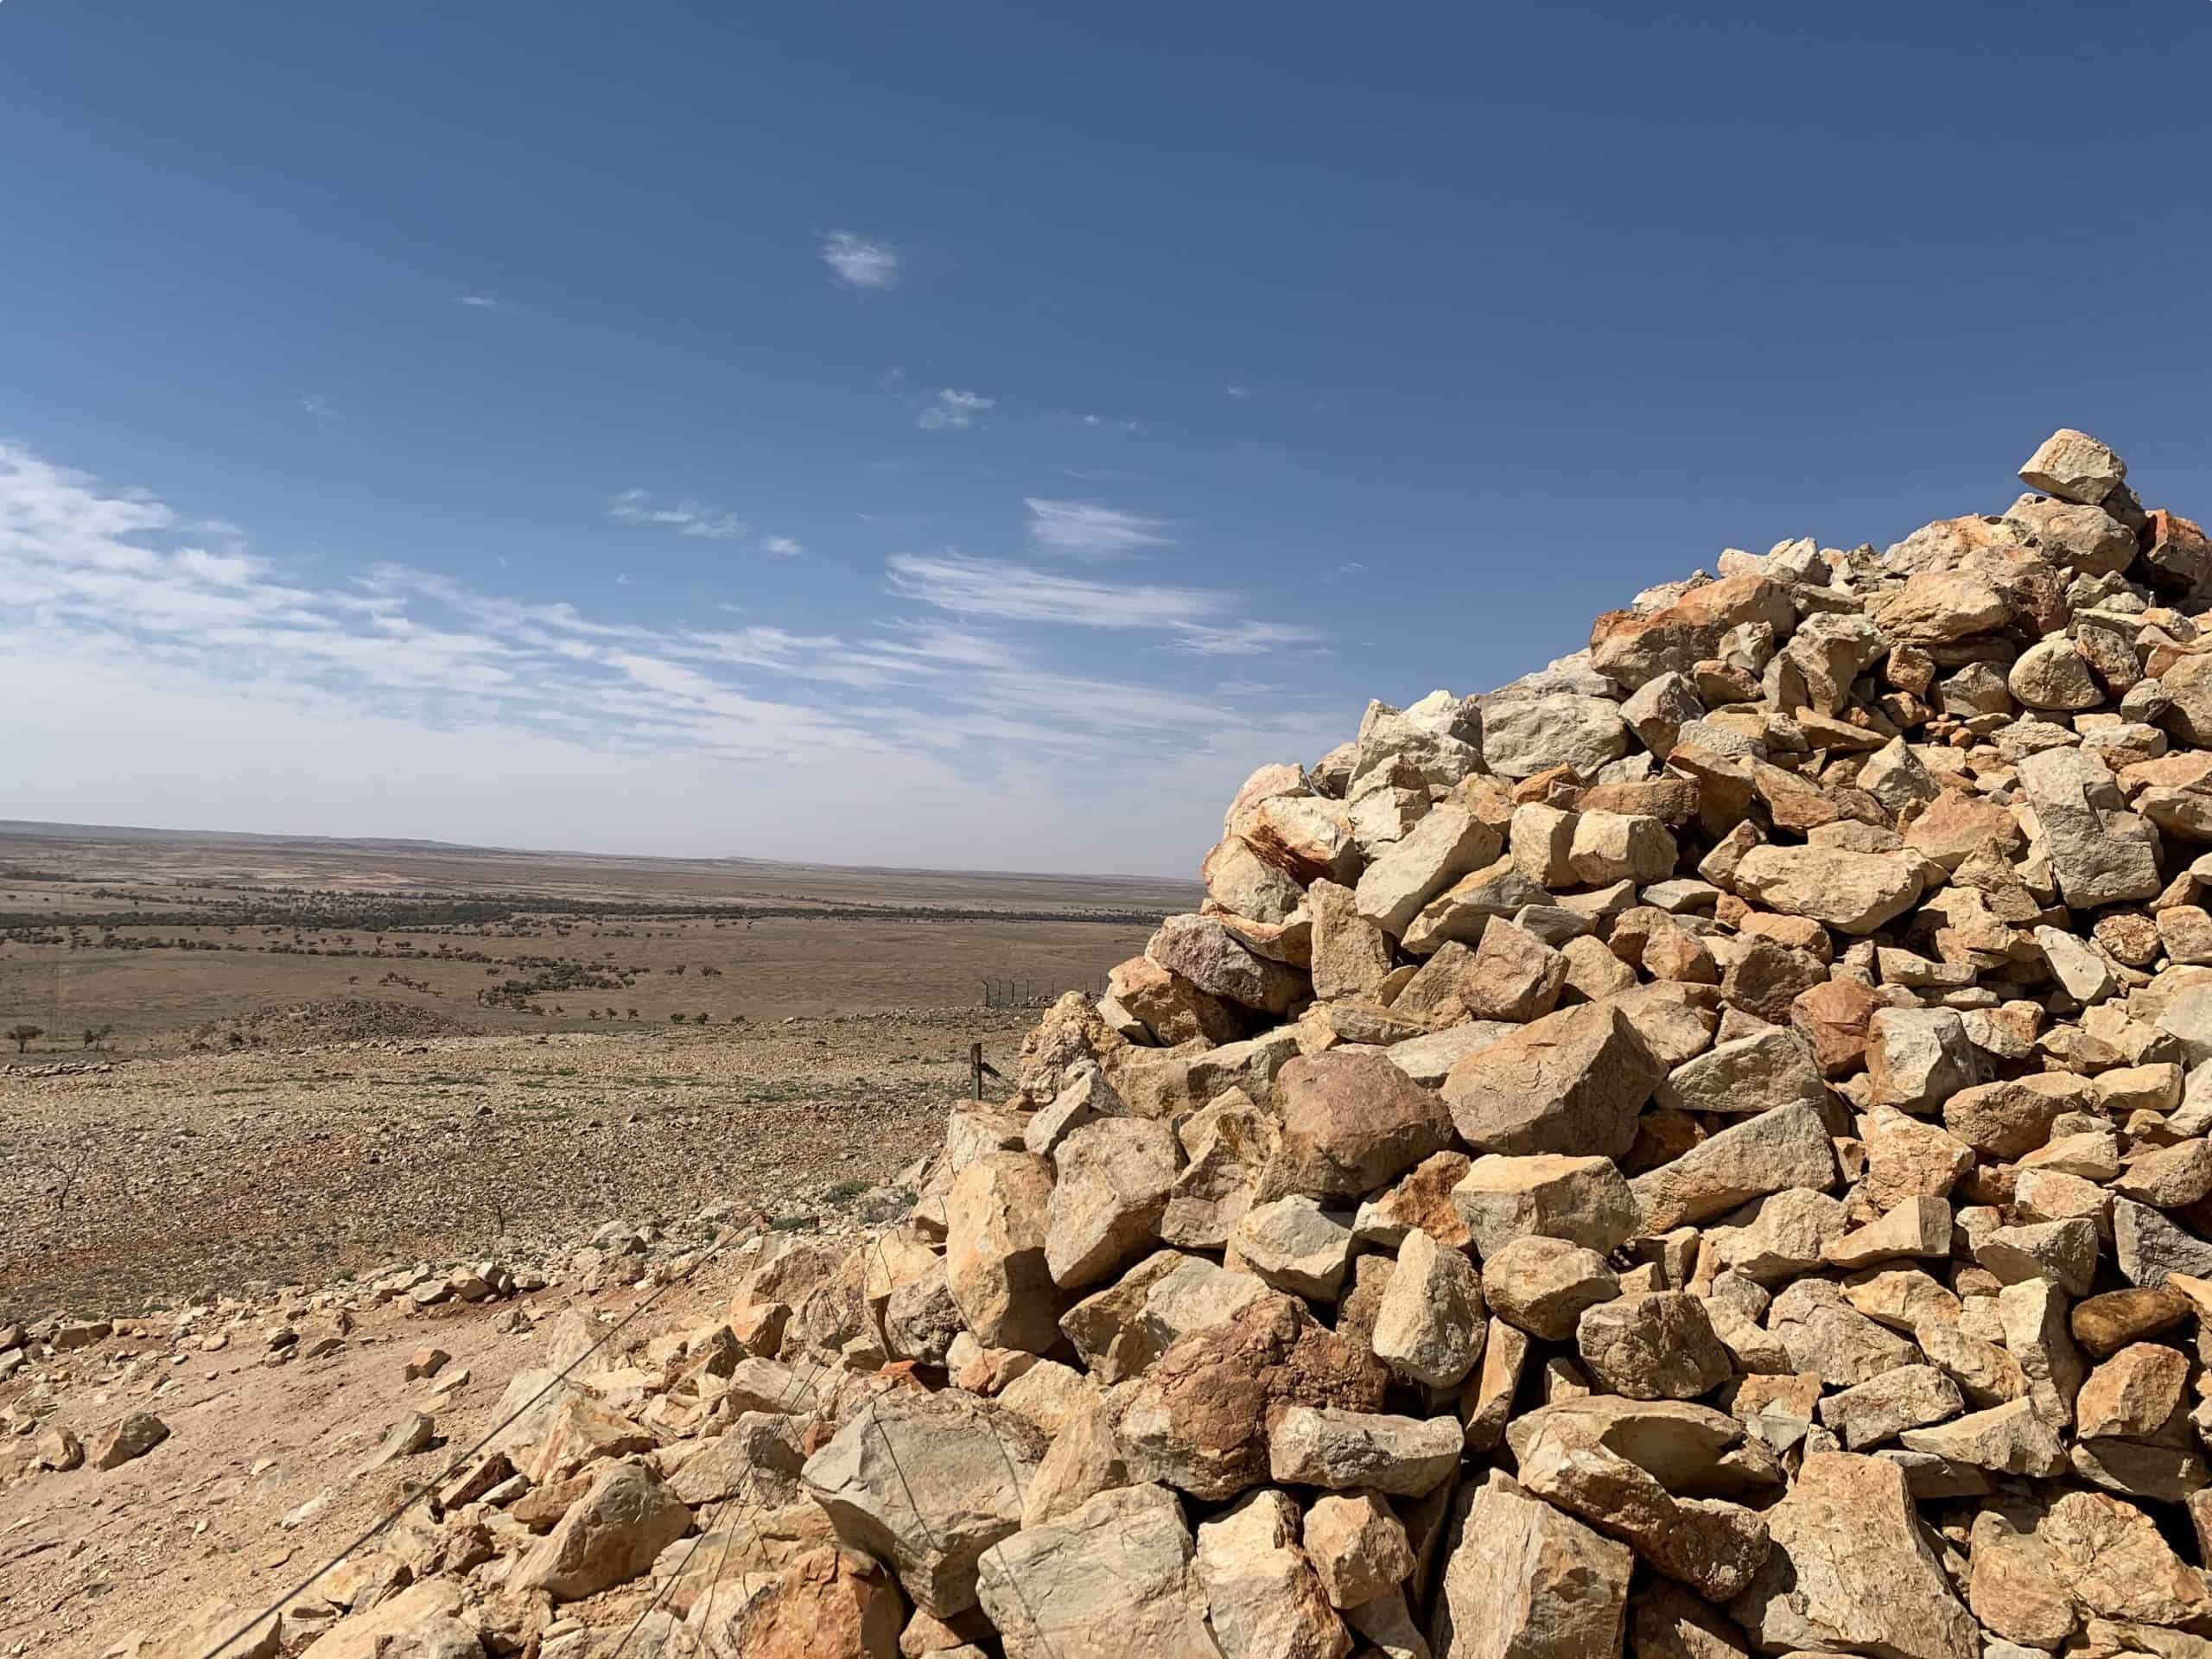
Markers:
(1525, 1581)
(1850, 1572)
(1264, 1599)
(1112, 1576)
(926, 1483)
(1573, 1083)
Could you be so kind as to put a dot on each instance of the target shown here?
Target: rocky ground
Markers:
(139, 1183)
(1706, 1149)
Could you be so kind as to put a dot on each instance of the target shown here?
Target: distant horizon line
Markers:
(24, 829)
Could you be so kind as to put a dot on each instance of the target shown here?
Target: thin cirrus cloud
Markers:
(856, 262)
(1091, 530)
(782, 546)
(685, 517)
(482, 302)
(397, 700)
(953, 411)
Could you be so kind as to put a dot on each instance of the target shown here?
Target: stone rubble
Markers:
(1705, 1149)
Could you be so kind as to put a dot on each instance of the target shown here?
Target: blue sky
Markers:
(977, 434)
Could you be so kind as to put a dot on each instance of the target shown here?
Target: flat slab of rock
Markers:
(1783, 1148)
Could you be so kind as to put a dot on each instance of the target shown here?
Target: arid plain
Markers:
(269, 1060)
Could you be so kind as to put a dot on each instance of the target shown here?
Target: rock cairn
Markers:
(1700, 1151)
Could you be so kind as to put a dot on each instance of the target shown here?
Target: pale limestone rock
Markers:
(2076, 467)
(2103, 853)
(926, 1483)
(608, 1536)
(1432, 1322)
(1916, 1058)
(1526, 735)
(1447, 844)
(1918, 1227)
(1653, 1347)
(2111, 1558)
(1112, 1576)
(1909, 1396)
(1525, 1581)
(1584, 1200)
(2137, 1394)
(1263, 1598)
(1543, 1285)
(1849, 1570)
(1121, 1330)
(995, 1228)
(1743, 1077)
(1853, 892)
(1714, 1546)
(1620, 847)
(1822, 1333)
(1114, 1179)
(2033, 1314)
(1343, 1450)
(1292, 1244)
(1573, 1083)
(1359, 1548)
(1783, 1148)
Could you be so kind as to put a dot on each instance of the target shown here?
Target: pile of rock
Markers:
(1702, 1149)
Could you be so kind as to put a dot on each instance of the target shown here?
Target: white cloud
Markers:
(1089, 530)
(685, 517)
(395, 701)
(1111, 424)
(1239, 638)
(858, 262)
(481, 302)
(971, 587)
(783, 546)
(318, 411)
(1242, 393)
(1348, 568)
(954, 411)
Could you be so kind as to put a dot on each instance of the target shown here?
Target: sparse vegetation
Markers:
(24, 1035)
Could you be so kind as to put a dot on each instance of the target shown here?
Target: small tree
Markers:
(23, 1034)
(97, 1036)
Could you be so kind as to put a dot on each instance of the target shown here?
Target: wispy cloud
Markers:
(317, 409)
(482, 302)
(782, 546)
(397, 701)
(685, 517)
(1110, 424)
(1239, 638)
(856, 262)
(953, 411)
(1242, 393)
(1090, 530)
(1348, 568)
(972, 586)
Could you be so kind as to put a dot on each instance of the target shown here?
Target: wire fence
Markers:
(733, 1510)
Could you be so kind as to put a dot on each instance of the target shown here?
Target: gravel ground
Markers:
(157, 1181)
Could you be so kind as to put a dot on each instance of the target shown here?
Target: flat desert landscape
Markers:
(260, 1060)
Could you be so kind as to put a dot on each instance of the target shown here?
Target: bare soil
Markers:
(283, 1062)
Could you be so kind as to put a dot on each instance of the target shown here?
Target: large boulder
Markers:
(1348, 1123)
(1114, 1576)
(926, 1483)
(1572, 1083)
(1850, 1572)
(1525, 1581)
